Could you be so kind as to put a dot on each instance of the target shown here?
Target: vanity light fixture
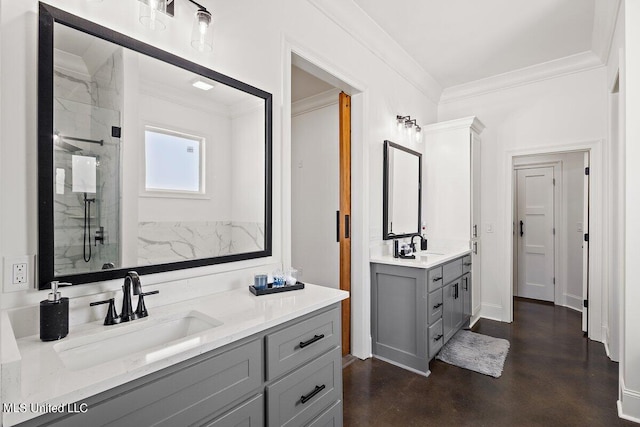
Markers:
(411, 126)
(200, 83)
(154, 12)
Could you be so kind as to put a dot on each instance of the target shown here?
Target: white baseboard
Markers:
(573, 301)
(629, 403)
(491, 311)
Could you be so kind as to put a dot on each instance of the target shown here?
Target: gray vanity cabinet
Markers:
(466, 295)
(288, 375)
(452, 313)
(399, 314)
(416, 311)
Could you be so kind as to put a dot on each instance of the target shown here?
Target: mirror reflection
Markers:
(153, 164)
(402, 191)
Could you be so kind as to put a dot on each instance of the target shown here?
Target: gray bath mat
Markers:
(476, 352)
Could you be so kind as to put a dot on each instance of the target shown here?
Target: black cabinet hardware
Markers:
(435, 279)
(337, 226)
(438, 338)
(521, 228)
(311, 341)
(438, 305)
(318, 389)
(347, 226)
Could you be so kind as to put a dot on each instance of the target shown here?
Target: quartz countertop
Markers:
(424, 259)
(42, 378)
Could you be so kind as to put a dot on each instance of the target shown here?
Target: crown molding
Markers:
(315, 102)
(558, 67)
(355, 22)
(464, 123)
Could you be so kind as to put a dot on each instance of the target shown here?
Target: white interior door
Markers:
(585, 248)
(315, 195)
(535, 231)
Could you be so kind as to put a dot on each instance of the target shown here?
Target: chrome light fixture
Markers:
(153, 14)
(410, 125)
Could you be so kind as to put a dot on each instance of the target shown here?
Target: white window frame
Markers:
(157, 192)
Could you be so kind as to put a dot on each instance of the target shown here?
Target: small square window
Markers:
(173, 161)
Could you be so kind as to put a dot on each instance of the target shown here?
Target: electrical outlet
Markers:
(17, 275)
(20, 273)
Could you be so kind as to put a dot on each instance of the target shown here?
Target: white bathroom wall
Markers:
(540, 116)
(315, 180)
(569, 226)
(249, 44)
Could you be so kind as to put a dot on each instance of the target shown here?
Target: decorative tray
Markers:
(269, 290)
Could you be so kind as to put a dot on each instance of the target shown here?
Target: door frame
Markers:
(558, 267)
(598, 175)
(294, 52)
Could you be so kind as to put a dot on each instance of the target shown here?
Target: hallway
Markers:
(553, 376)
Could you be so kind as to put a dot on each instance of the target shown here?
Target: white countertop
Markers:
(424, 259)
(43, 379)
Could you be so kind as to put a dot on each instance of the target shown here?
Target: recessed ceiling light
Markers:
(201, 84)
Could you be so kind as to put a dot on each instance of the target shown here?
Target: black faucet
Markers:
(413, 245)
(127, 313)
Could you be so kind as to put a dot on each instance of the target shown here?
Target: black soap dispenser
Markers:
(54, 315)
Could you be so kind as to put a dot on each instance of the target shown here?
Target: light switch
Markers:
(489, 227)
(579, 227)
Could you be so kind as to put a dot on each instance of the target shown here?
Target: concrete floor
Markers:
(553, 376)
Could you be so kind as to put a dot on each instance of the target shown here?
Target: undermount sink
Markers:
(166, 337)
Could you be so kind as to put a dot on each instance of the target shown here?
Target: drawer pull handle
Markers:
(308, 397)
(438, 338)
(435, 279)
(467, 264)
(438, 305)
(311, 341)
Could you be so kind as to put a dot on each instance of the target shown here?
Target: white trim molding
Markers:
(293, 52)
(547, 70)
(492, 312)
(315, 102)
(629, 403)
(596, 229)
(354, 21)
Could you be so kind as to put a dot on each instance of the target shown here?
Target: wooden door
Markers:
(534, 232)
(345, 217)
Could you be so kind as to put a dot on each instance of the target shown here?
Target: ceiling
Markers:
(304, 85)
(461, 41)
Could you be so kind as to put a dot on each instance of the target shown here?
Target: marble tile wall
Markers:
(160, 242)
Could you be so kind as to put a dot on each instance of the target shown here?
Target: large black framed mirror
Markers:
(146, 161)
(402, 191)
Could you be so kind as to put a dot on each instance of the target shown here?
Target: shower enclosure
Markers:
(87, 156)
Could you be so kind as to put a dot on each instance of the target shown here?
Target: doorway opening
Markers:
(550, 229)
(321, 218)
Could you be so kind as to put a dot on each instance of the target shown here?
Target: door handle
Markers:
(521, 228)
(347, 226)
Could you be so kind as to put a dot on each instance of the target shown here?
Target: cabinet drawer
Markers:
(194, 391)
(436, 338)
(434, 278)
(297, 344)
(434, 309)
(452, 270)
(302, 395)
(249, 414)
(466, 264)
(332, 417)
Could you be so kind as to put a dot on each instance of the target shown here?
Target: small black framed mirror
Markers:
(146, 160)
(402, 191)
